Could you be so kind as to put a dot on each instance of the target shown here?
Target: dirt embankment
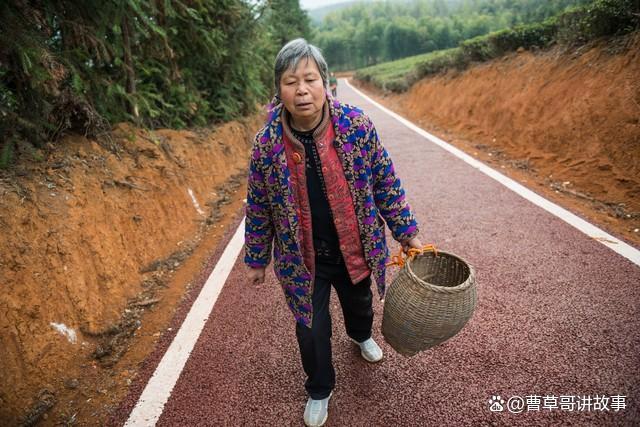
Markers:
(97, 248)
(566, 123)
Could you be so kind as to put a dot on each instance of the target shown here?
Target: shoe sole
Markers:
(318, 425)
(371, 360)
(326, 417)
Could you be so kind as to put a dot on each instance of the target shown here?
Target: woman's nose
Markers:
(302, 89)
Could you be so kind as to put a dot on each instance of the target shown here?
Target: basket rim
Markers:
(470, 281)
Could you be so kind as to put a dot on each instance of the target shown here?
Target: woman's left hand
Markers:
(411, 243)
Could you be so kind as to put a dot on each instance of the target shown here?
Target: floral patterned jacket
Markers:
(271, 214)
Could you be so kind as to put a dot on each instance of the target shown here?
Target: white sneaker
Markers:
(370, 350)
(316, 412)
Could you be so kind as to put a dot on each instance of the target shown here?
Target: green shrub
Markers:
(442, 60)
(6, 153)
(497, 44)
(400, 75)
(599, 19)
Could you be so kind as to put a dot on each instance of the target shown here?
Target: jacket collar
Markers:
(319, 132)
(275, 109)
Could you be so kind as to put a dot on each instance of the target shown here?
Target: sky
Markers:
(314, 4)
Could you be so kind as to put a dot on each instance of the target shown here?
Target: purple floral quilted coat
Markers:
(271, 216)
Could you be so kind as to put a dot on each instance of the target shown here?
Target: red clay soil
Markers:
(566, 123)
(100, 249)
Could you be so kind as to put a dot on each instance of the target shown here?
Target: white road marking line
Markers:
(155, 395)
(613, 243)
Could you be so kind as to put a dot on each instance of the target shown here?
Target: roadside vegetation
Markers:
(364, 34)
(577, 26)
(81, 66)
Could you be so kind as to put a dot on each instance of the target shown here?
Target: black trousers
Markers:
(315, 342)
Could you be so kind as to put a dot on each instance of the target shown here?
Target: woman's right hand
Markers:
(256, 275)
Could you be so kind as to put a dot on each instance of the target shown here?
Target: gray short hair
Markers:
(292, 53)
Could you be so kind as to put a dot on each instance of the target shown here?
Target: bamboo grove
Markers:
(71, 65)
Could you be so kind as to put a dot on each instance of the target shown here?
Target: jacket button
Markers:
(297, 157)
(324, 169)
(343, 247)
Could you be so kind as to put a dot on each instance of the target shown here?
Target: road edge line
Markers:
(156, 393)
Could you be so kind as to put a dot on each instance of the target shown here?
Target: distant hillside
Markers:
(317, 15)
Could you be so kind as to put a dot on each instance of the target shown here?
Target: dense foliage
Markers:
(71, 65)
(81, 65)
(369, 33)
(573, 27)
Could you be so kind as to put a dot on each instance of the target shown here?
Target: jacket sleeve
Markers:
(258, 234)
(389, 196)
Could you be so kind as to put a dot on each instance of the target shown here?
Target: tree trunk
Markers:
(130, 74)
(171, 57)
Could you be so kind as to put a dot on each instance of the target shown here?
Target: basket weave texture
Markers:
(428, 302)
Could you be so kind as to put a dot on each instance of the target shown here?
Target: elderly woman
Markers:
(321, 187)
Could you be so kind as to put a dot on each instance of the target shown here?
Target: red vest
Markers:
(338, 195)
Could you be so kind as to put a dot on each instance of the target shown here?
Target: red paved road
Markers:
(558, 314)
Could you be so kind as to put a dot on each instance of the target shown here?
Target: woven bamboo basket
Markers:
(429, 301)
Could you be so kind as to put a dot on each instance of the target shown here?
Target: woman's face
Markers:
(302, 92)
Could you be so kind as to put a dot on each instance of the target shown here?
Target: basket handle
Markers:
(400, 261)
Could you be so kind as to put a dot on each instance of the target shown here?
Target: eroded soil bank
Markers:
(100, 242)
